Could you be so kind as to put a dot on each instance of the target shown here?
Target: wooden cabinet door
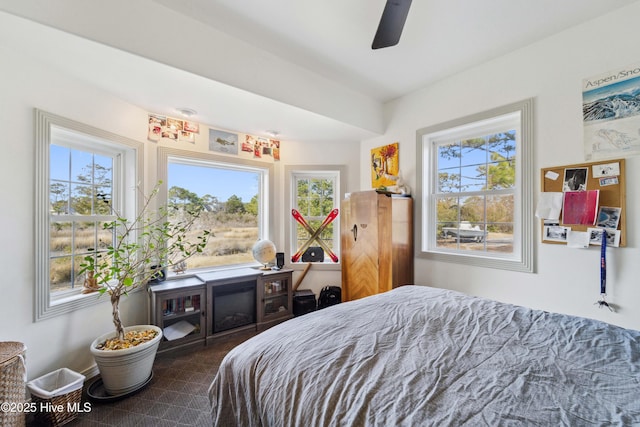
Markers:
(360, 238)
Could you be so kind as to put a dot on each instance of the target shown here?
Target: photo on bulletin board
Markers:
(575, 179)
(580, 207)
(608, 217)
(556, 233)
(595, 236)
(601, 205)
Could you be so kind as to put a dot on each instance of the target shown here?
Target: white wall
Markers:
(26, 84)
(551, 71)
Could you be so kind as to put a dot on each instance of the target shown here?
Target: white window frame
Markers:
(292, 174)
(266, 184)
(127, 172)
(522, 258)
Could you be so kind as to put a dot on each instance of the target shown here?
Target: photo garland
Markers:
(171, 128)
(261, 147)
(163, 127)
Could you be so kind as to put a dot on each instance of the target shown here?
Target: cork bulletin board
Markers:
(610, 183)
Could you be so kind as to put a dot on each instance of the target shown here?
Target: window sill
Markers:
(322, 266)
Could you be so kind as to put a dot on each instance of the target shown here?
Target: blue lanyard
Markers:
(603, 273)
(603, 264)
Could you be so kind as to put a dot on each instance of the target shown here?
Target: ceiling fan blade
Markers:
(391, 23)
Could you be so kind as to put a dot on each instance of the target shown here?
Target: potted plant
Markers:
(140, 246)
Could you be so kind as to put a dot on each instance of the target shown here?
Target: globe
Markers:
(264, 251)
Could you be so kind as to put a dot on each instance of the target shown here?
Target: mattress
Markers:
(423, 356)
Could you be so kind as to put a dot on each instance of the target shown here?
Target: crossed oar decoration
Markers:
(314, 235)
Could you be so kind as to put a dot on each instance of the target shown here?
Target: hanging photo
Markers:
(223, 142)
(156, 124)
(186, 136)
(275, 149)
(192, 127)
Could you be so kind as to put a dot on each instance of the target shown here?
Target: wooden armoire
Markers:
(376, 233)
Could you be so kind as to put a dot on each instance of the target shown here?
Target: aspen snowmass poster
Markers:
(611, 114)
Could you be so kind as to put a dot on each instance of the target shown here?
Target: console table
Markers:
(197, 309)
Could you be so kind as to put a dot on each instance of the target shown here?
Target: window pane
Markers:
(84, 237)
(473, 178)
(472, 209)
(500, 208)
(60, 274)
(502, 145)
(500, 223)
(59, 162)
(501, 175)
(449, 181)
(60, 238)
(102, 201)
(103, 170)
(230, 198)
(473, 152)
(447, 210)
(81, 199)
(449, 156)
(500, 238)
(59, 198)
(81, 166)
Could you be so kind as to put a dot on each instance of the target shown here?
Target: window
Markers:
(78, 167)
(476, 189)
(314, 192)
(235, 195)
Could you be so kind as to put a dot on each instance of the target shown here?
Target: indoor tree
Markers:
(140, 246)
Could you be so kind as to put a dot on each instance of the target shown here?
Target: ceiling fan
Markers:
(391, 23)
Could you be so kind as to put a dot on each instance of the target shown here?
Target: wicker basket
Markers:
(62, 390)
(13, 375)
(58, 418)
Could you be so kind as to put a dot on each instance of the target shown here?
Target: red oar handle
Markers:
(298, 216)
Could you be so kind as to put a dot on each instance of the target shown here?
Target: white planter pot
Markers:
(126, 370)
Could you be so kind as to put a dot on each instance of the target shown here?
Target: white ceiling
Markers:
(319, 79)
(440, 37)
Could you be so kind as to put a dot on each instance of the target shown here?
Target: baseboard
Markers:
(91, 372)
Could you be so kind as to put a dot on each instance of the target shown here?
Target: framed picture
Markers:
(223, 142)
(384, 165)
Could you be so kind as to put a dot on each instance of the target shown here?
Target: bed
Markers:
(420, 356)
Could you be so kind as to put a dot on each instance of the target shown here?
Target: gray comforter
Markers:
(419, 356)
